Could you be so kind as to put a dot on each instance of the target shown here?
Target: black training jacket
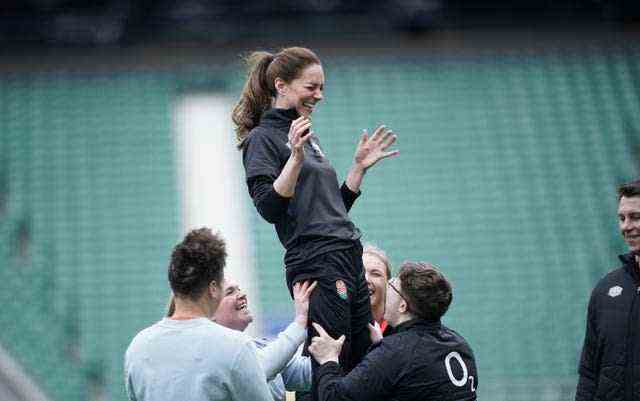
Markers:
(422, 361)
(316, 219)
(610, 363)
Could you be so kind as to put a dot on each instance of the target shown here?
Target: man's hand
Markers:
(375, 332)
(301, 294)
(323, 347)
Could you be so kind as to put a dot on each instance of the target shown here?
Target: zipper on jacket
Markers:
(631, 344)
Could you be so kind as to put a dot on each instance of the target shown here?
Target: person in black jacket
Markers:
(295, 188)
(610, 363)
(424, 360)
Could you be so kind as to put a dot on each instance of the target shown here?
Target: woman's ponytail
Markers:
(256, 96)
(259, 90)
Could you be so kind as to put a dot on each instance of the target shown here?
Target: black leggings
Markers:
(340, 302)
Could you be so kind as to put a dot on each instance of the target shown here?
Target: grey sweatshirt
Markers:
(195, 360)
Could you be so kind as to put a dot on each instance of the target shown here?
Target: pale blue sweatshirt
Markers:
(295, 375)
(195, 360)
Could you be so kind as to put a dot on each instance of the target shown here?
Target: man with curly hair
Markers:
(187, 356)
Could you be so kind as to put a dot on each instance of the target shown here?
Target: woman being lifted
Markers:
(295, 188)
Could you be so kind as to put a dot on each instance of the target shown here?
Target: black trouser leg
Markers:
(340, 304)
(360, 316)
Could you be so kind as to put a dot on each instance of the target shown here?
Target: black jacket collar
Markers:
(631, 266)
(278, 118)
(417, 323)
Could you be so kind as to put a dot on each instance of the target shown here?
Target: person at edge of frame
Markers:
(609, 367)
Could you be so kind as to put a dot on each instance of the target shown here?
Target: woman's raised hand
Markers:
(371, 150)
(299, 134)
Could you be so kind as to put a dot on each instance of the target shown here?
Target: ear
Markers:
(403, 307)
(281, 86)
(214, 290)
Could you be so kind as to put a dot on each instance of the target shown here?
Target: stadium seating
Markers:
(505, 179)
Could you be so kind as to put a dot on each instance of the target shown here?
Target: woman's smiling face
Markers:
(304, 92)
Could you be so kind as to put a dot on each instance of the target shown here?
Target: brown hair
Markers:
(195, 262)
(259, 89)
(427, 289)
(629, 189)
(171, 306)
(381, 255)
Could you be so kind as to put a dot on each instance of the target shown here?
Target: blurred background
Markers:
(516, 122)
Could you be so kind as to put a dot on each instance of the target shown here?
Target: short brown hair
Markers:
(629, 189)
(197, 261)
(426, 288)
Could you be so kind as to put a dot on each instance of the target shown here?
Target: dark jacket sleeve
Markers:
(590, 359)
(370, 380)
(348, 196)
(262, 164)
(270, 204)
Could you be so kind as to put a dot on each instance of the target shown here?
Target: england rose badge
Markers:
(615, 291)
(341, 289)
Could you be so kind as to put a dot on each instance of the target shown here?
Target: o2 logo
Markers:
(458, 382)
